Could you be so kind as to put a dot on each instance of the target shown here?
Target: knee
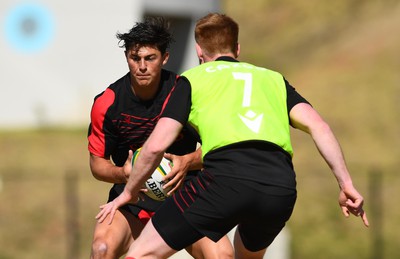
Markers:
(100, 248)
(219, 250)
(226, 252)
(225, 248)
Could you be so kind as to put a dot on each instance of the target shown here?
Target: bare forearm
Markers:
(104, 170)
(143, 167)
(305, 118)
(152, 152)
(330, 150)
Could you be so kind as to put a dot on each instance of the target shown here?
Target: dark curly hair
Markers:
(154, 31)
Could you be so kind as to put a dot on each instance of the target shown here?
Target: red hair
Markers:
(217, 34)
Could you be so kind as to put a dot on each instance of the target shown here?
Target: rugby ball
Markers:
(154, 184)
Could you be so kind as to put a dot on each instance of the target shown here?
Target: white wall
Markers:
(55, 84)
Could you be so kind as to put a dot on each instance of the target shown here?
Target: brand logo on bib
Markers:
(252, 120)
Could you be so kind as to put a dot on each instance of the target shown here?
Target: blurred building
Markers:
(57, 55)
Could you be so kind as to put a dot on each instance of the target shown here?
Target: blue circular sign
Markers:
(29, 27)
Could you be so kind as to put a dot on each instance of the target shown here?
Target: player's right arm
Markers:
(104, 170)
(101, 131)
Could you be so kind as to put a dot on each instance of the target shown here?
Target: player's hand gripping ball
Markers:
(154, 184)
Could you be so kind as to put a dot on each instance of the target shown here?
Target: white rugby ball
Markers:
(154, 184)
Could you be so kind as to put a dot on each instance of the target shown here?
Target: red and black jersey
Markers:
(120, 121)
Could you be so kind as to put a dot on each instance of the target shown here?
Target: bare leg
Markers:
(150, 245)
(111, 241)
(205, 248)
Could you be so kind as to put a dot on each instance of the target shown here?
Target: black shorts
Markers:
(212, 205)
(145, 208)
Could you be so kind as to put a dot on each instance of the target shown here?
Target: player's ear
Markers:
(237, 50)
(165, 58)
(199, 53)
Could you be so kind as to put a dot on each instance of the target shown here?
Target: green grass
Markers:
(34, 210)
(33, 168)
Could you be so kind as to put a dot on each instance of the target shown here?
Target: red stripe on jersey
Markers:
(99, 109)
(169, 95)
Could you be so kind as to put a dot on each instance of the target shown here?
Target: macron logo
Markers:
(252, 120)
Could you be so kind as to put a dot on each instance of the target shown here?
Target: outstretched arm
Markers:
(305, 118)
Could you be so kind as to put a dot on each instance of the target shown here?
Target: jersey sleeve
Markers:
(99, 130)
(293, 97)
(179, 102)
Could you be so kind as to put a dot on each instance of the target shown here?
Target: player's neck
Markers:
(145, 93)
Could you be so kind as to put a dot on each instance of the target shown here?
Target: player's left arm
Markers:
(304, 117)
(181, 165)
